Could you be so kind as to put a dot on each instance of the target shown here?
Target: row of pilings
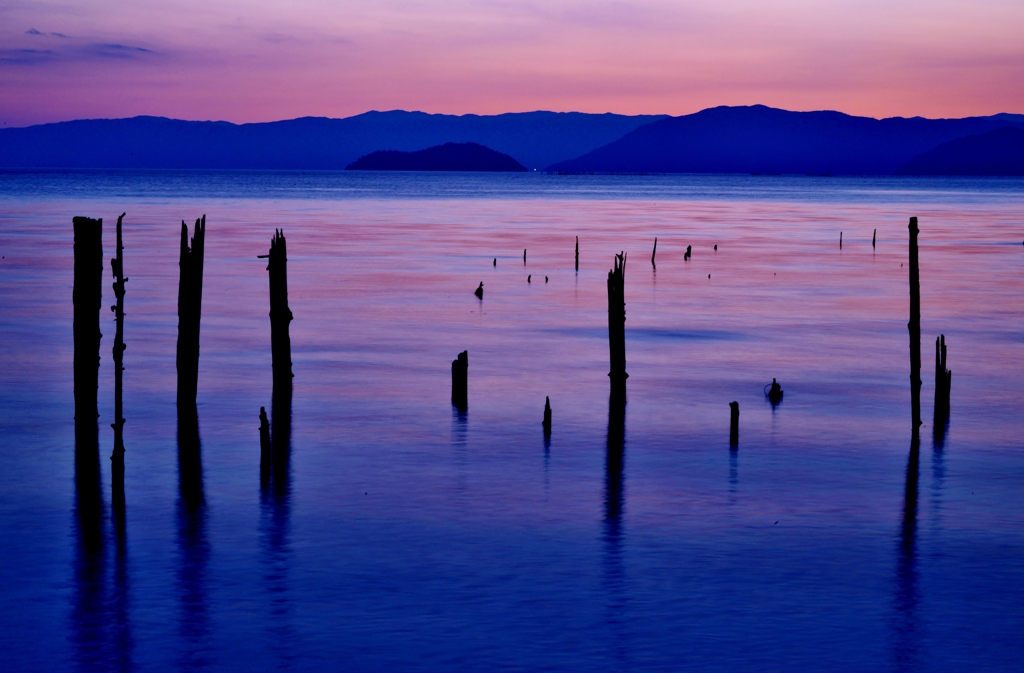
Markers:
(87, 297)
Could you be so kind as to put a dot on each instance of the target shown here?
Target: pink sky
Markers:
(262, 60)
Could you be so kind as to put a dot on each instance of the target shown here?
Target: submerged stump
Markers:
(460, 381)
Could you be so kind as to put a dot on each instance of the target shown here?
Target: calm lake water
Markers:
(409, 537)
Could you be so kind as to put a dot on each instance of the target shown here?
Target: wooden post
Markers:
(460, 381)
(915, 328)
(617, 325)
(265, 452)
(524, 256)
(190, 304)
(873, 234)
(87, 296)
(689, 251)
(654, 252)
(280, 315)
(547, 417)
(840, 240)
(577, 253)
(734, 424)
(117, 457)
(943, 381)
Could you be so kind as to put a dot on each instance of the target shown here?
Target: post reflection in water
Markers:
(614, 502)
(193, 547)
(906, 632)
(89, 609)
(275, 513)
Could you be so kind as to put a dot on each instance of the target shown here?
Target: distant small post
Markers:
(460, 381)
(617, 324)
(265, 452)
(873, 234)
(840, 240)
(577, 253)
(654, 252)
(734, 424)
(915, 328)
(547, 417)
(943, 381)
(190, 304)
(524, 256)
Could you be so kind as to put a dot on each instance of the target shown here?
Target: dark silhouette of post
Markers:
(915, 328)
(265, 452)
(840, 240)
(524, 256)
(460, 381)
(280, 315)
(689, 251)
(617, 325)
(873, 234)
(87, 296)
(547, 417)
(190, 303)
(654, 252)
(577, 253)
(943, 381)
(117, 457)
(734, 424)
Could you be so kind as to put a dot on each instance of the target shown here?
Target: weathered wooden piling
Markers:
(479, 292)
(460, 383)
(943, 381)
(265, 451)
(547, 417)
(915, 328)
(190, 304)
(689, 251)
(840, 240)
(734, 424)
(617, 324)
(87, 296)
(873, 234)
(280, 315)
(117, 457)
(775, 393)
(654, 252)
(577, 253)
(524, 256)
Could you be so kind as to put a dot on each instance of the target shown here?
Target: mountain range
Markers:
(745, 139)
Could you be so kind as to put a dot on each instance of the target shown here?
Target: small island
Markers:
(447, 157)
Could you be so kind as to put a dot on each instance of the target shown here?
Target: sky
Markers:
(263, 60)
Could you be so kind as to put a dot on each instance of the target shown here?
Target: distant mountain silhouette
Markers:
(535, 139)
(999, 152)
(759, 139)
(447, 157)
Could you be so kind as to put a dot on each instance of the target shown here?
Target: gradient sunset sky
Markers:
(262, 60)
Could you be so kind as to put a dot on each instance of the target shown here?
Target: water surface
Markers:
(407, 536)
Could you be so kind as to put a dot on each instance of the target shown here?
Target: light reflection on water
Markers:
(402, 534)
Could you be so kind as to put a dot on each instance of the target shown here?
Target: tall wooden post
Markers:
(117, 457)
(915, 328)
(280, 314)
(190, 304)
(617, 325)
(87, 296)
